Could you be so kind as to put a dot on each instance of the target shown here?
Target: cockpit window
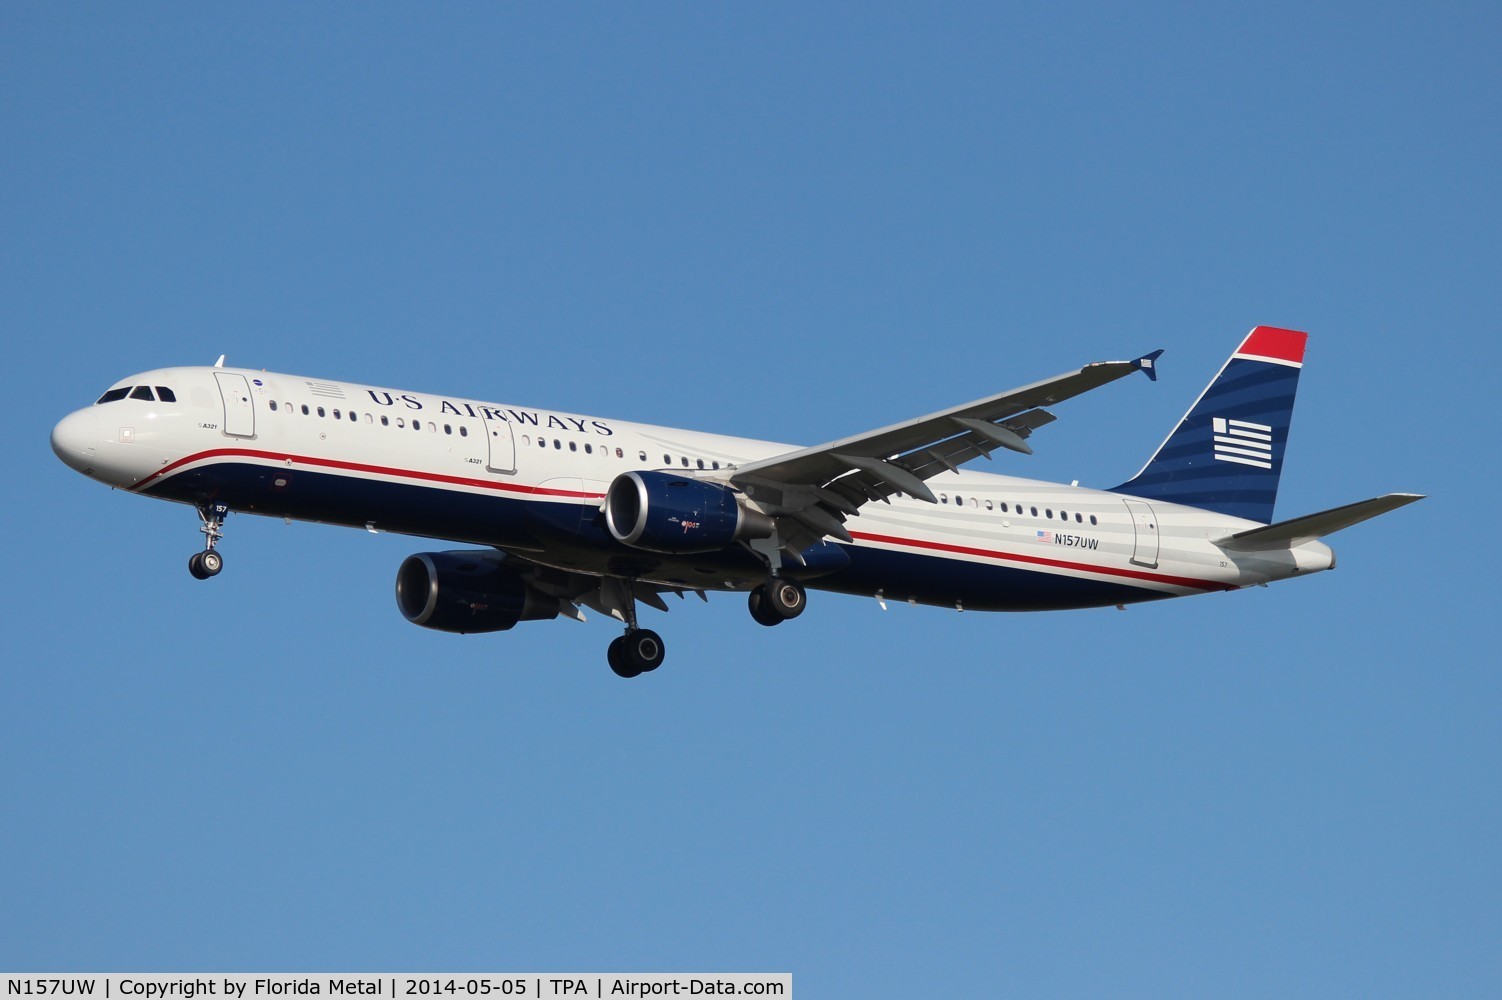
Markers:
(142, 392)
(165, 394)
(114, 394)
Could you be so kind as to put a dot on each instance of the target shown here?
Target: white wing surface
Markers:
(810, 492)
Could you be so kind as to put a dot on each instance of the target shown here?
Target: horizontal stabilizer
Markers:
(1286, 534)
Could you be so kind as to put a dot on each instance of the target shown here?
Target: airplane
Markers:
(564, 510)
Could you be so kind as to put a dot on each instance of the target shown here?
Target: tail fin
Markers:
(1227, 452)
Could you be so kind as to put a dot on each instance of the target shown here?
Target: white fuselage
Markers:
(532, 482)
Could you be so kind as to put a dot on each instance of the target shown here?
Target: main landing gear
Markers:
(208, 562)
(637, 652)
(640, 650)
(778, 600)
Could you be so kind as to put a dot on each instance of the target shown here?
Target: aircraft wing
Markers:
(811, 491)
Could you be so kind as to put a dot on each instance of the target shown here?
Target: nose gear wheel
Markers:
(209, 562)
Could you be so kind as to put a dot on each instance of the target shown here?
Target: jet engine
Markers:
(467, 592)
(663, 512)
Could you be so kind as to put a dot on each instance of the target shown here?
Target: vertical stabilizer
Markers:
(1227, 452)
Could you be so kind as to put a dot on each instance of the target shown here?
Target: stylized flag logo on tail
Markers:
(1243, 442)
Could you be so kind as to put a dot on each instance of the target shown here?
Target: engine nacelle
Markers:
(663, 512)
(467, 592)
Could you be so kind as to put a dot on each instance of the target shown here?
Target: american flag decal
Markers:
(1045, 536)
(1243, 442)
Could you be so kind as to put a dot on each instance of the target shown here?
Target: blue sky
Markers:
(793, 222)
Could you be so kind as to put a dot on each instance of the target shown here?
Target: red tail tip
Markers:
(1275, 344)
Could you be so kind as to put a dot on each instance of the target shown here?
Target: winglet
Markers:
(1147, 364)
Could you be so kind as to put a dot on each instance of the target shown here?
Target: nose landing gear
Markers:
(208, 562)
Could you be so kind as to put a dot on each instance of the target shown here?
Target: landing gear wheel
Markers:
(642, 650)
(208, 562)
(784, 598)
(759, 609)
(205, 564)
(616, 654)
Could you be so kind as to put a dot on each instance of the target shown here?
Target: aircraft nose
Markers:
(75, 439)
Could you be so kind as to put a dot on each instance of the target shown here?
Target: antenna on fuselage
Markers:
(220, 362)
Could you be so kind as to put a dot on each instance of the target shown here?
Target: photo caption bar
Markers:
(396, 986)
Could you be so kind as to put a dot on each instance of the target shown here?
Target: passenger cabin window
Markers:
(165, 394)
(305, 409)
(273, 406)
(142, 392)
(113, 395)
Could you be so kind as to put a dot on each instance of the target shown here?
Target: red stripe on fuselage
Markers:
(1131, 574)
(379, 470)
